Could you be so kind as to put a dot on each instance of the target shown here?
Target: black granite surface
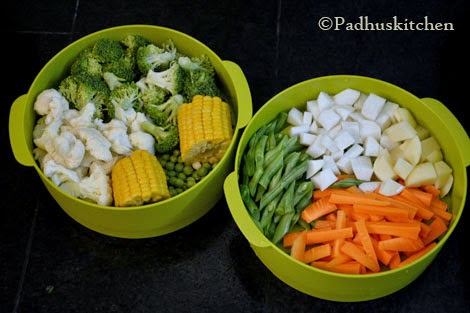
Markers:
(50, 263)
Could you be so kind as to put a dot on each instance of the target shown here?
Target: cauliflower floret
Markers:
(67, 150)
(142, 140)
(58, 173)
(135, 125)
(127, 116)
(116, 132)
(52, 104)
(43, 133)
(82, 118)
(95, 142)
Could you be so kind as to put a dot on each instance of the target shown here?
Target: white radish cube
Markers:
(313, 107)
(356, 116)
(354, 151)
(434, 156)
(337, 155)
(295, 116)
(307, 118)
(362, 167)
(298, 129)
(400, 131)
(344, 164)
(390, 188)
(387, 143)
(334, 131)
(371, 147)
(313, 128)
(372, 106)
(316, 150)
(329, 162)
(347, 97)
(344, 139)
(389, 109)
(402, 168)
(369, 186)
(360, 101)
(313, 166)
(370, 129)
(307, 139)
(353, 128)
(383, 120)
(343, 111)
(324, 179)
(328, 118)
(329, 143)
(324, 101)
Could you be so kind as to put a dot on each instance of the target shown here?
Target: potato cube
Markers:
(400, 131)
(402, 168)
(422, 174)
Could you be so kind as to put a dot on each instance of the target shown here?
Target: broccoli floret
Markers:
(86, 63)
(171, 79)
(200, 82)
(112, 80)
(123, 68)
(152, 57)
(197, 63)
(108, 50)
(170, 109)
(126, 95)
(166, 137)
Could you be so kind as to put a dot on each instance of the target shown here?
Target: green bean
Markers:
(304, 224)
(282, 227)
(245, 177)
(273, 153)
(271, 143)
(270, 195)
(303, 202)
(291, 160)
(259, 152)
(295, 173)
(347, 182)
(275, 180)
(271, 169)
(268, 212)
(286, 203)
(249, 202)
(292, 145)
(253, 184)
(305, 188)
(259, 193)
(280, 121)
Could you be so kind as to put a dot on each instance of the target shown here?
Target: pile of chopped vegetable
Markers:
(122, 97)
(349, 183)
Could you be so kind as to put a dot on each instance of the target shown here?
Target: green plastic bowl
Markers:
(147, 220)
(343, 287)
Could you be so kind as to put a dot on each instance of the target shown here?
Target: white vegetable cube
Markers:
(389, 109)
(422, 174)
(298, 129)
(390, 188)
(383, 120)
(370, 129)
(334, 131)
(402, 168)
(317, 149)
(329, 143)
(400, 131)
(330, 163)
(295, 116)
(324, 179)
(313, 166)
(387, 143)
(328, 118)
(344, 165)
(373, 106)
(422, 132)
(369, 186)
(344, 140)
(337, 155)
(343, 111)
(360, 101)
(353, 128)
(447, 186)
(429, 145)
(307, 139)
(313, 127)
(443, 172)
(324, 101)
(371, 147)
(362, 167)
(313, 107)
(307, 118)
(412, 150)
(403, 114)
(347, 97)
(383, 166)
(434, 156)
(354, 151)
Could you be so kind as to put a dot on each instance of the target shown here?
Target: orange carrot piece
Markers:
(431, 189)
(366, 241)
(355, 198)
(347, 208)
(446, 216)
(324, 223)
(425, 230)
(395, 260)
(359, 255)
(317, 253)
(317, 209)
(437, 228)
(339, 259)
(289, 238)
(324, 236)
(384, 256)
(417, 255)
(318, 194)
(417, 196)
(401, 244)
(298, 247)
(340, 223)
(387, 211)
(419, 208)
(407, 230)
(345, 268)
(439, 204)
(331, 217)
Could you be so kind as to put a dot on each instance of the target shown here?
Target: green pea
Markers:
(202, 171)
(179, 167)
(170, 166)
(165, 157)
(173, 158)
(188, 170)
(182, 176)
(179, 183)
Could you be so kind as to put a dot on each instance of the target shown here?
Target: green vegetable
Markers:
(166, 137)
(282, 227)
(151, 57)
(171, 79)
(126, 95)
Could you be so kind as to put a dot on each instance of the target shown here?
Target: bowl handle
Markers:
(17, 136)
(240, 214)
(448, 118)
(245, 107)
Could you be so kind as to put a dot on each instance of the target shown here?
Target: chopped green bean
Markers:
(282, 227)
(286, 203)
(259, 152)
(271, 169)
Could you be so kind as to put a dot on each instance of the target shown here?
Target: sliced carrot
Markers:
(425, 230)
(317, 252)
(437, 228)
(417, 255)
(340, 223)
(355, 198)
(339, 259)
(318, 194)
(384, 256)
(317, 209)
(298, 247)
(431, 189)
(324, 223)
(386, 211)
(324, 236)
(395, 260)
(407, 230)
(345, 268)
(418, 207)
(366, 241)
(359, 255)
(401, 244)
(439, 204)
(417, 196)
(446, 216)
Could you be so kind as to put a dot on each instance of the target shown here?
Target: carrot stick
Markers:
(437, 228)
(366, 241)
(340, 223)
(395, 260)
(317, 252)
(417, 255)
(298, 247)
(318, 194)
(446, 216)
(401, 244)
(431, 189)
(317, 209)
(387, 211)
(345, 268)
(417, 196)
(407, 230)
(339, 259)
(439, 204)
(420, 209)
(355, 198)
(384, 256)
(359, 255)
(324, 236)
(324, 223)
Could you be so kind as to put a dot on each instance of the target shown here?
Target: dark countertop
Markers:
(50, 263)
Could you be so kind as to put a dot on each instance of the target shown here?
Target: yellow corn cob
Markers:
(205, 129)
(138, 179)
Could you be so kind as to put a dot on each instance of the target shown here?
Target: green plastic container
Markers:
(148, 220)
(343, 287)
